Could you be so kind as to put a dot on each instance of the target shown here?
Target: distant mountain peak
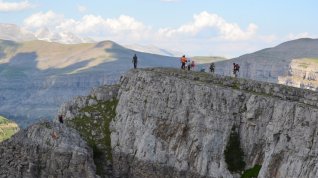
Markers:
(15, 33)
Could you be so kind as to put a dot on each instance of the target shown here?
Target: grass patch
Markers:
(303, 65)
(252, 173)
(7, 128)
(93, 125)
(314, 60)
(234, 155)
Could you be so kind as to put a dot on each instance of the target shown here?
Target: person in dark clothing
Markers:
(135, 61)
(212, 67)
(61, 119)
(236, 68)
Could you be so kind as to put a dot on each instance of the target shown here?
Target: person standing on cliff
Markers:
(135, 61)
(236, 69)
(183, 61)
(212, 67)
(189, 63)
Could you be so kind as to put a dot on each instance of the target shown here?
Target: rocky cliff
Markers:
(302, 73)
(46, 150)
(173, 123)
(91, 116)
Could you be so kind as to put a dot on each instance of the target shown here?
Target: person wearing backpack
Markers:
(237, 67)
(135, 61)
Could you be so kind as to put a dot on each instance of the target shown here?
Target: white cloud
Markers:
(81, 8)
(99, 27)
(43, 20)
(14, 6)
(123, 28)
(205, 30)
(205, 20)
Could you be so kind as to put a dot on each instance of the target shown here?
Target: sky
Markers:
(226, 28)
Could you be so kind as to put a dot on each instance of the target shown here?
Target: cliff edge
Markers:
(173, 123)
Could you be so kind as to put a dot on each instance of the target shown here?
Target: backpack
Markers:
(237, 67)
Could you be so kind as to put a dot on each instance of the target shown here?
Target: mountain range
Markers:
(15, 33)
(37, 76)
(270, 64)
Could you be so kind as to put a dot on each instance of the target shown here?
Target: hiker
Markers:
(189, 64)
(134, 61)
(212, 66)
(61, 119)
(236, 68)
(192, 65)
(183, 61)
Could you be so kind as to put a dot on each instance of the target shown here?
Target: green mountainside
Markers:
(7, 128)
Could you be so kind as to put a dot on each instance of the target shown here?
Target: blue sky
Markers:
(206, 27)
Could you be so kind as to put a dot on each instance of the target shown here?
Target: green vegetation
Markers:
(314, 60)
(234, 155)
(306, 62)
(7, 128)
(303, 65)
(93, 126)
(252, 173)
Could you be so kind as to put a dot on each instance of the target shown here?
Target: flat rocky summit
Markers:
(46, 150)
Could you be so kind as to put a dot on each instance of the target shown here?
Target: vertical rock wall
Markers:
(173, 123)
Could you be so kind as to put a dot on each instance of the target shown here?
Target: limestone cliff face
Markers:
(90, 116)
(302, 73)
(173, 123)
(46, 150)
